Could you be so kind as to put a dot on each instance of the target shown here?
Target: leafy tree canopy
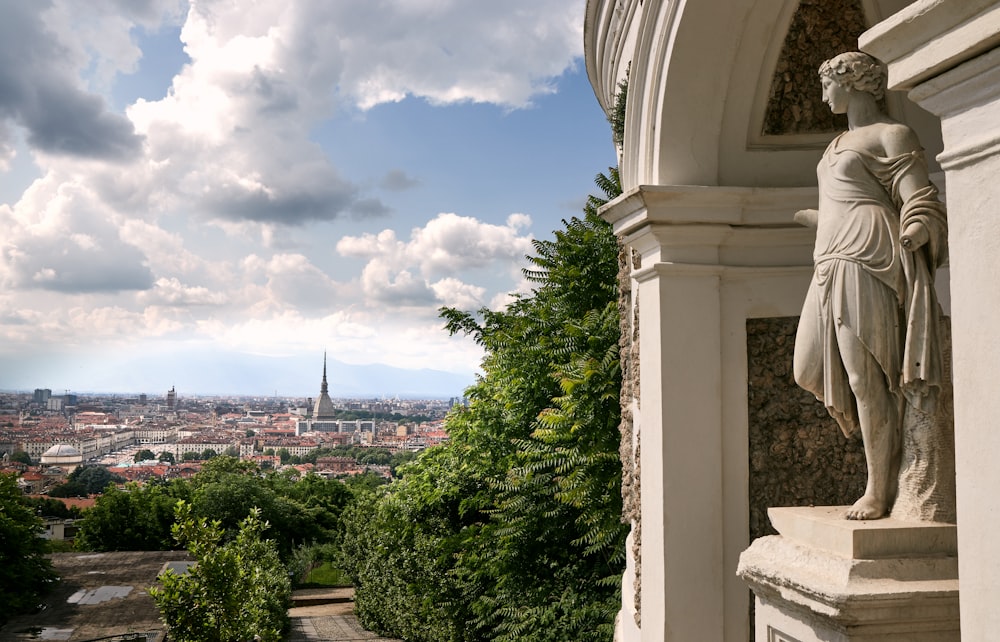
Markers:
(86, 480)
(237, 591)
(511, 530)
(144, 455)
(226, 490)
(25, 572)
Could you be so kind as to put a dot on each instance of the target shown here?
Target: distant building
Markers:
(324, 410)
(41, 395)
(63, 456)
(171, 399)
(324, 414)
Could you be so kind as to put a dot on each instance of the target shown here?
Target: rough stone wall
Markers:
(628, 315)
(819, 31)
(798, 455)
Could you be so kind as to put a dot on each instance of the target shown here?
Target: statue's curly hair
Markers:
(857, 70)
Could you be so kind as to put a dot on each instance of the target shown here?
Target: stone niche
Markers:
(798, 455)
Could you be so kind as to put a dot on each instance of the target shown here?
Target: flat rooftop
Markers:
(99, 595)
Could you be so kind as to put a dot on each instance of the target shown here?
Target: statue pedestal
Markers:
(827, 578)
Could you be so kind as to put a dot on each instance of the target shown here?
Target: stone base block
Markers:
(836, 580)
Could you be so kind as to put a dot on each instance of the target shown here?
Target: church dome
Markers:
(62, 450)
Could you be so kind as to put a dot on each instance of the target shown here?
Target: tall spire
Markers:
(323, 389)
(324, 410)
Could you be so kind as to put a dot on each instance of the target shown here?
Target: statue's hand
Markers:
(807, 218)
(914, 236)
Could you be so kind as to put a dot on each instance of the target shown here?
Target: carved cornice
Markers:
(714, 226)
(930, 37)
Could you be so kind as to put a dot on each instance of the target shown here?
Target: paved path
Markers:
(331, 621)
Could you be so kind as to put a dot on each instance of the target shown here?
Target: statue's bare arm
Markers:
(807, 218)
(897, 140)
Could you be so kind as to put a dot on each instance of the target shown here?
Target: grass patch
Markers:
(326, 575)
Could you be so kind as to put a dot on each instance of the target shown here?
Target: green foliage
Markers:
(616, 118)
(144, 455)
(136, 518)
(226, 490)
(167, 457)
(397, 548)
(84, 481)
(237, 590)
(47, 507)
(25, 572)
(314, 565)
(21, 456)
(327, 575)
(365, 482)
(190, 456)
(511, 530)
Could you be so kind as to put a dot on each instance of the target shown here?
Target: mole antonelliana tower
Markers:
(324, 410)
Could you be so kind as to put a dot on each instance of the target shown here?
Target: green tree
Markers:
(86, 480)
(167, 457)
(48, 507)
(209, 453)
(227, 490)
(237, 591)
(22, 457)
(25, 572)
(511, 530)
(136, 518)
(190, 456)
(144, 455)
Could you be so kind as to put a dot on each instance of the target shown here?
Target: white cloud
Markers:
(171, 292)
(352, 337)
(428, 268)
(107, 243)
(61, 237)
(293, 282)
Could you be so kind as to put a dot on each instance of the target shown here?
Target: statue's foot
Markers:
(867, 507)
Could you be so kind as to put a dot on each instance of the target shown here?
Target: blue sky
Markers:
(248, 185)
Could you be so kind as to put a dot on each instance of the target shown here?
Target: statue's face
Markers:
(835, 95)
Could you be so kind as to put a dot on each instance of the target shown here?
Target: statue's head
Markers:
(858, 71)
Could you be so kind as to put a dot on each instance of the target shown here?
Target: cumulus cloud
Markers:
(291, 282)
(60, 238)
(499, 52)
(171, 292)
(41, 91)
(426, 268)
(232, 140)
(233, 143)
(397, 180)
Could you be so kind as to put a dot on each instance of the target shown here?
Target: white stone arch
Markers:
(699, 73)
(709, 210)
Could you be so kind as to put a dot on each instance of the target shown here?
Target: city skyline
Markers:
(203, 196)
(239, 376)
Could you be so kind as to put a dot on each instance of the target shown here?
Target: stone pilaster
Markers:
(944, 54)
(709, 258)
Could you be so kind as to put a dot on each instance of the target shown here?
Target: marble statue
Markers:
(867, 343)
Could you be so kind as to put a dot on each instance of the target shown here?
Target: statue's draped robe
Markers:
(865, 281)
